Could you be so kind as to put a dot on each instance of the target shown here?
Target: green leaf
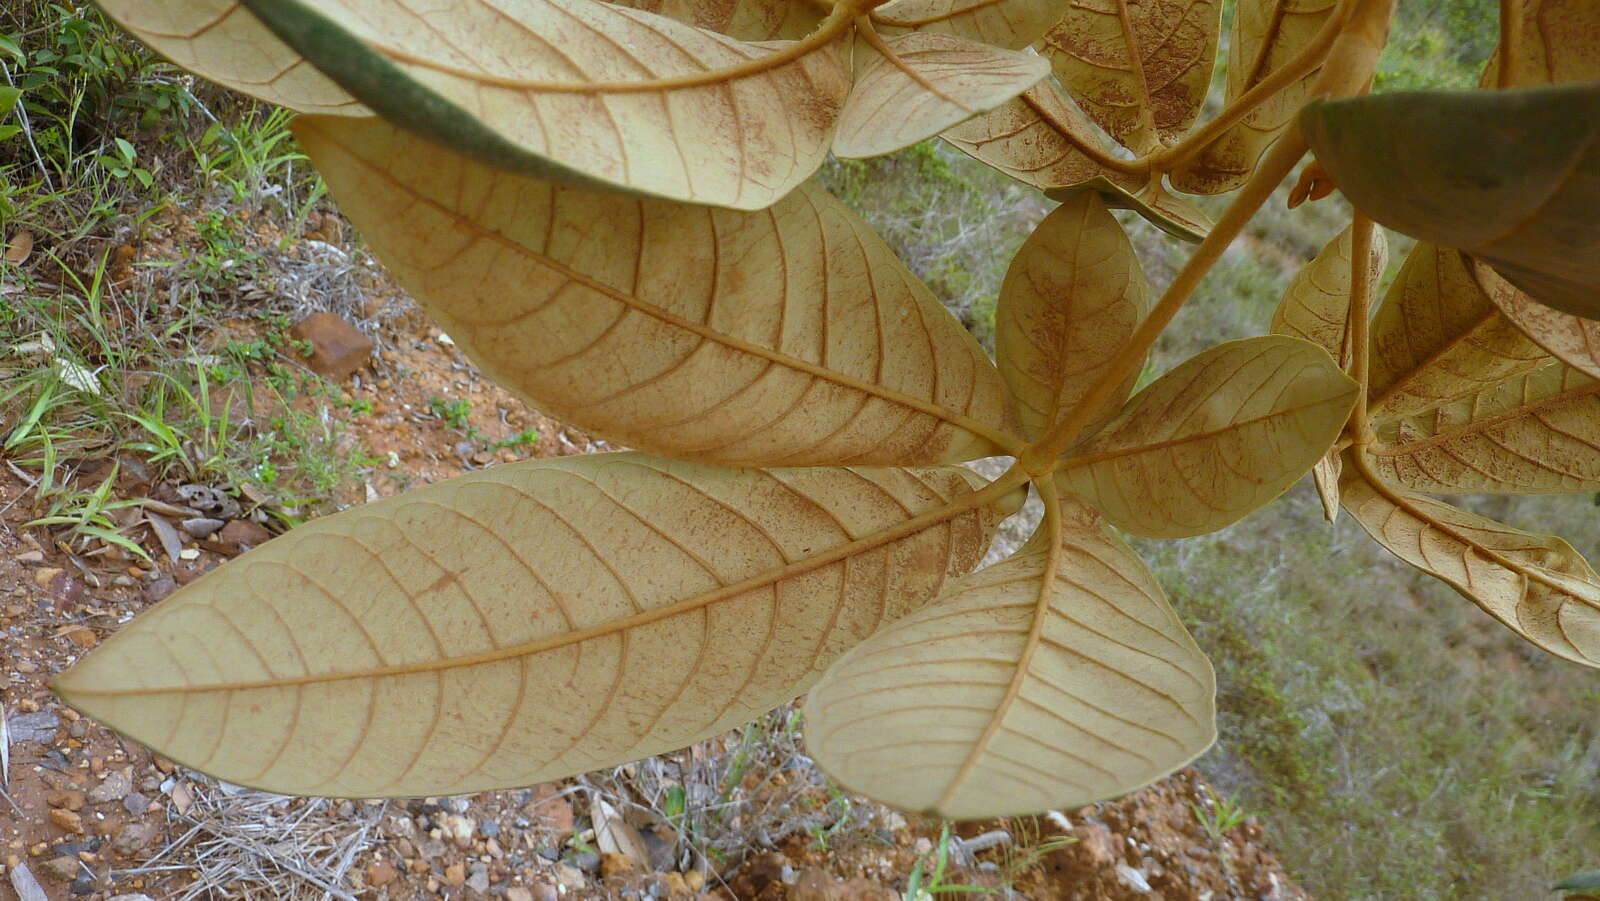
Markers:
(1511, 177)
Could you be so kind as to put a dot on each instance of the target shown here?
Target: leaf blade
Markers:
(1072, 297)
(1063, 674)
(1215, 438)
(1011, 24)
(741, 141)
(785, 337)
(526, 621)
(1536, 585)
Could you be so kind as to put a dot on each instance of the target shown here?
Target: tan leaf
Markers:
(1056, 679)
(1316, 308)
(1519, 195)
(222, 41)
(1039, 138)
(1265, 35)
(784, 337)
(1013, 24)
(1558, 44)
(613, 834)
(1537, 585)
(1042, 140)
(747, 20)
(19, 248)
(1316, 305)
(933, 82)
(1569, 338)
(1140, 70)
(1072, 298)
(1537, 434)
(1217, 437)
(526, 622)
(1437, 336)
(586, 90)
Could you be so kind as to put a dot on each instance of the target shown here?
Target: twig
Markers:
(27, 131)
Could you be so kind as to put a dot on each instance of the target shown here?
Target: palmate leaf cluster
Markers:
(607, 206)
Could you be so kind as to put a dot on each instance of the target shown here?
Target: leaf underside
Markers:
(524, 623)
(1012, 24)
(1214, 439)
(790, 336)
(1047, 694)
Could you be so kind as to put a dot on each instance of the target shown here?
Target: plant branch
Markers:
(876, 42)
(1510, 42)
(1099, 156)
(1357, 319)
(929, 20)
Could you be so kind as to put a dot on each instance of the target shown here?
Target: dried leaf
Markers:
(1072, 298)
(1537, 585)
(1057, 679)
(613, 835)
(222, 41)
(1569, 338)
(1326, 475)
(1013, 24)
(19, 248)
(785, 337)
(1537, 434)
(1316, 305)
(526, 622)
(747, 20)
(537, 86)
(1558, 44)
(1519, 195)
(1140, 70)
(25, 885)
(1214, 439)
(934, 82)
(1265, 35)
(1437, 336)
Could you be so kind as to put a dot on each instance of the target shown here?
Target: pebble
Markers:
(244, 533)
(136, 804)
(459, 828)
(136, 896)
(381, 874)
(455, 874)
(518, 893)
(67, 820)
(115, 787)
(30, 558)
(201, 526)
(489, 828)
(478, 879)
(64, 868)
(617, 867)
(135, 837)
(160, 589)
(66, 798)
(39, 727)
(569, 876)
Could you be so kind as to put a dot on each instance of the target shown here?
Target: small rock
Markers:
(160, 589)
(618, 867)
(85, 884)
(67, 820)
(1095, 849)
(478, 879)
(455, 874)
(135, 837)
(380, 874)
(244, 533)
(136, 803)
(82, 636)
(116, 786)
(459, 828)
(430, 848)
(489, 828)
(67, 798)
(550, 809)
(64, 868)
(587, 861)
(201, 526)
(136, 896)
(30, 558)
(63, 588)
(569, 876)
(338, 348)
(1132, 877)
(518, 893)
(695, 879)
(674, 885)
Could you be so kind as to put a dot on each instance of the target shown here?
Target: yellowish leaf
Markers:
(1265, 35)
(1510, 177)
(1569, 338)
(1012, 24)
(1537, 585)
(1537, 434)
(222, 41)
(1072, 298)
(586, 90)
(527, 622)
(1214, 439)
(1058, 677)
(917, 85)
(1140, 70)
(1316, 305)
(788, 337)
(1438, 336)
(1560, 43)
(1041, 139)
(747, 20)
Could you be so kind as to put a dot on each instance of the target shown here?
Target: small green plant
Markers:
(925, 882)
(84, 516)
(1217, 816)
(123, 163)
(453, 412)
(522, 440)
